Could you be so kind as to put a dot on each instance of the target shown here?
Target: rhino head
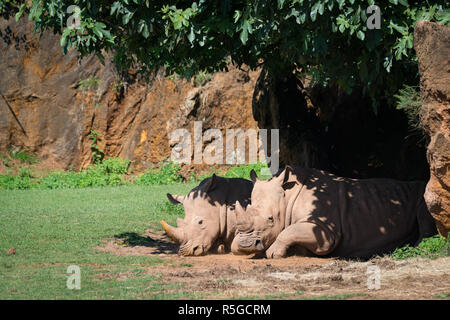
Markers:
(261, 222)
(207, 225)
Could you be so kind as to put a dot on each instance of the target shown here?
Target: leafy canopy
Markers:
(327, 39)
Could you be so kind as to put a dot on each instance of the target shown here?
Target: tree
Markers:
(327, 39)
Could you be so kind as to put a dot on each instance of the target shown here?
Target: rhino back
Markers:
(230, 190)
(369, 216)
(378, 216)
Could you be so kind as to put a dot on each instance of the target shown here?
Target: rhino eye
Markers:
(200, 222)
(270, 219)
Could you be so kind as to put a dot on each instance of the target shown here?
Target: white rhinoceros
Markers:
(210, 220)
(333, 216)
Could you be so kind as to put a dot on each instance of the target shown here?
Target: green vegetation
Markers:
(243, 171)
(300, 295)
(107, 172)
(167, 173)
(52, 229)
(22, 156)
(343, 296)
(202, 77)
(110, 172)
(326, 39)
(97, 153)
(90, 83)
(409, 100)
(433, 247)
(445, 295)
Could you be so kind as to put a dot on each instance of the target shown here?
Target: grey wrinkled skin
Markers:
(209, 224)
(332, 216)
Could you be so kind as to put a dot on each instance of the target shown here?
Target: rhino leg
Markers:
(309, 235)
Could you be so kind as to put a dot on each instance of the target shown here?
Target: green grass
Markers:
(299, 295)
(445, 295)
(432, 247)
(52, 229)
(343, 296)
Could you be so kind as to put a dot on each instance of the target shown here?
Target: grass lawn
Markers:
(52, 229)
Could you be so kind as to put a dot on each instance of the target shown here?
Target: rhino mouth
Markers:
(250, 242)
(189, 249)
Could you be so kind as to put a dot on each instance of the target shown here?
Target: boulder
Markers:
(432, 45)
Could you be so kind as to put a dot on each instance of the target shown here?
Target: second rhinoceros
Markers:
(330, 215)
(210, 221)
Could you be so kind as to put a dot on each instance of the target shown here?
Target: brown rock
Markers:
(432, 44)
(12, 251)
(51, 103)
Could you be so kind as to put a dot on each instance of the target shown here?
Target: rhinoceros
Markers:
(332, 216)
(210, 221)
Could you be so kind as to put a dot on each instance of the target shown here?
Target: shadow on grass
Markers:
(158, 243)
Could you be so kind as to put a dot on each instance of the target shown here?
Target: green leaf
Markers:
(244, 36)
(360, 35)
(330, 5)
(397, 27)
(191, 35)
(237, 15)
(301, 19)
(314, 9)
(321, 8)
(127, 17)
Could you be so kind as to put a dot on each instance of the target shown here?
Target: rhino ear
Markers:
(211, 184)
(287, 172)
(175, 199)
(253, 176)
(289, 185)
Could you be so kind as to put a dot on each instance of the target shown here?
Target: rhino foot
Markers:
(276, 251)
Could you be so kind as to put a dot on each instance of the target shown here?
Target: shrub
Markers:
(11, 182)
(97, 153)
(23, 156)
(110, 174)
(243, 171)
(410, 102)
(167, 173)
(113, 166)
(431, 247)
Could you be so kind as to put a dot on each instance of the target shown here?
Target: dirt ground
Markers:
(226, 276)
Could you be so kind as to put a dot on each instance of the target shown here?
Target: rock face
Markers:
(49, 103)
(432, 44)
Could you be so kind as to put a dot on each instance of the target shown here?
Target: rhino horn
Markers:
(242, 219)
(240, 212)
(176, 234)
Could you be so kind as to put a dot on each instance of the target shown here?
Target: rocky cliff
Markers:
(49, 103)
(432, 44)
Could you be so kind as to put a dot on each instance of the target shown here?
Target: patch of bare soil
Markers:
(228, 276)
